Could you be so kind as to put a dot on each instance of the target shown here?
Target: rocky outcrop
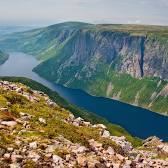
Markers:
(28, 149)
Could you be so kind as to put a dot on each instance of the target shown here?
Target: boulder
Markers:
(16, 158)
(50, 148)
(9, 123)
(106, 134)
(7, 155)
(33, 156)
(10, 149)
(102, 126)
(4, 109)
(110, 151)
(33, 145)
(42, 120)
(2, 151)
(81, 160)
(81, 149)
(57, 159)
(15, 165)
(95, 145)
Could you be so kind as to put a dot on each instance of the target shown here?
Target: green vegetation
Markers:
(54, 127)
(43, 42)
(137, 30)
(88, 116)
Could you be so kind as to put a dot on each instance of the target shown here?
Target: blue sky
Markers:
(25, 12)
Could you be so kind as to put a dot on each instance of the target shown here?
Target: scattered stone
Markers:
(110, 151)
(82, 161)
(81, 149)
(102, 126)
(7, 155)
(2, 151)
(15, 165)
(16, 158)
(9, 123)
(42, 120)
(95, 144)
(50, 148)
(42, 152)
(33, 156)
(33, 145)
(4, 109)
(106, 134)
(57, 159)
(10, 149)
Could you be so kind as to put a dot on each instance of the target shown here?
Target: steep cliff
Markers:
(115, 64)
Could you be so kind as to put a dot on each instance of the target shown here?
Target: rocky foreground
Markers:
(36, 132)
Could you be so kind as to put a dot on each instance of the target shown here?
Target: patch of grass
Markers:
(42, 111)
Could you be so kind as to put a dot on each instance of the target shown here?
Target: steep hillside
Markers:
(3, 57)
(87, 116)
(118, 64)
(43, 42)
(37, 132)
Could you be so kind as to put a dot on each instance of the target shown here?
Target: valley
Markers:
(73, 94)
(123, 62)
(127, 116)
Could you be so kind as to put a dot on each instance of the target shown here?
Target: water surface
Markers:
(139, 122)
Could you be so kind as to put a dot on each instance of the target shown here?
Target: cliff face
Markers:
(138, 56)
(100, 62)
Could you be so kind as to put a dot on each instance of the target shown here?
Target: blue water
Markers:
(137, 121)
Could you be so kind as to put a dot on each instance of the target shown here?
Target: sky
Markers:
(46, 12)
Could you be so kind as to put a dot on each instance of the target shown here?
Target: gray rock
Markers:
(16, 158)
(9, 123)
(57, 159)
(15, 165)
(106, 134)
(2, 151)
(42, 120)
(50, 148)
(110, 151)
(33, 145)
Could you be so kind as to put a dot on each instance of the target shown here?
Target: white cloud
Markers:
(110, 11)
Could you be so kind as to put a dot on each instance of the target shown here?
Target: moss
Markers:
(6, 138)
(29, 164)
(61, 152)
